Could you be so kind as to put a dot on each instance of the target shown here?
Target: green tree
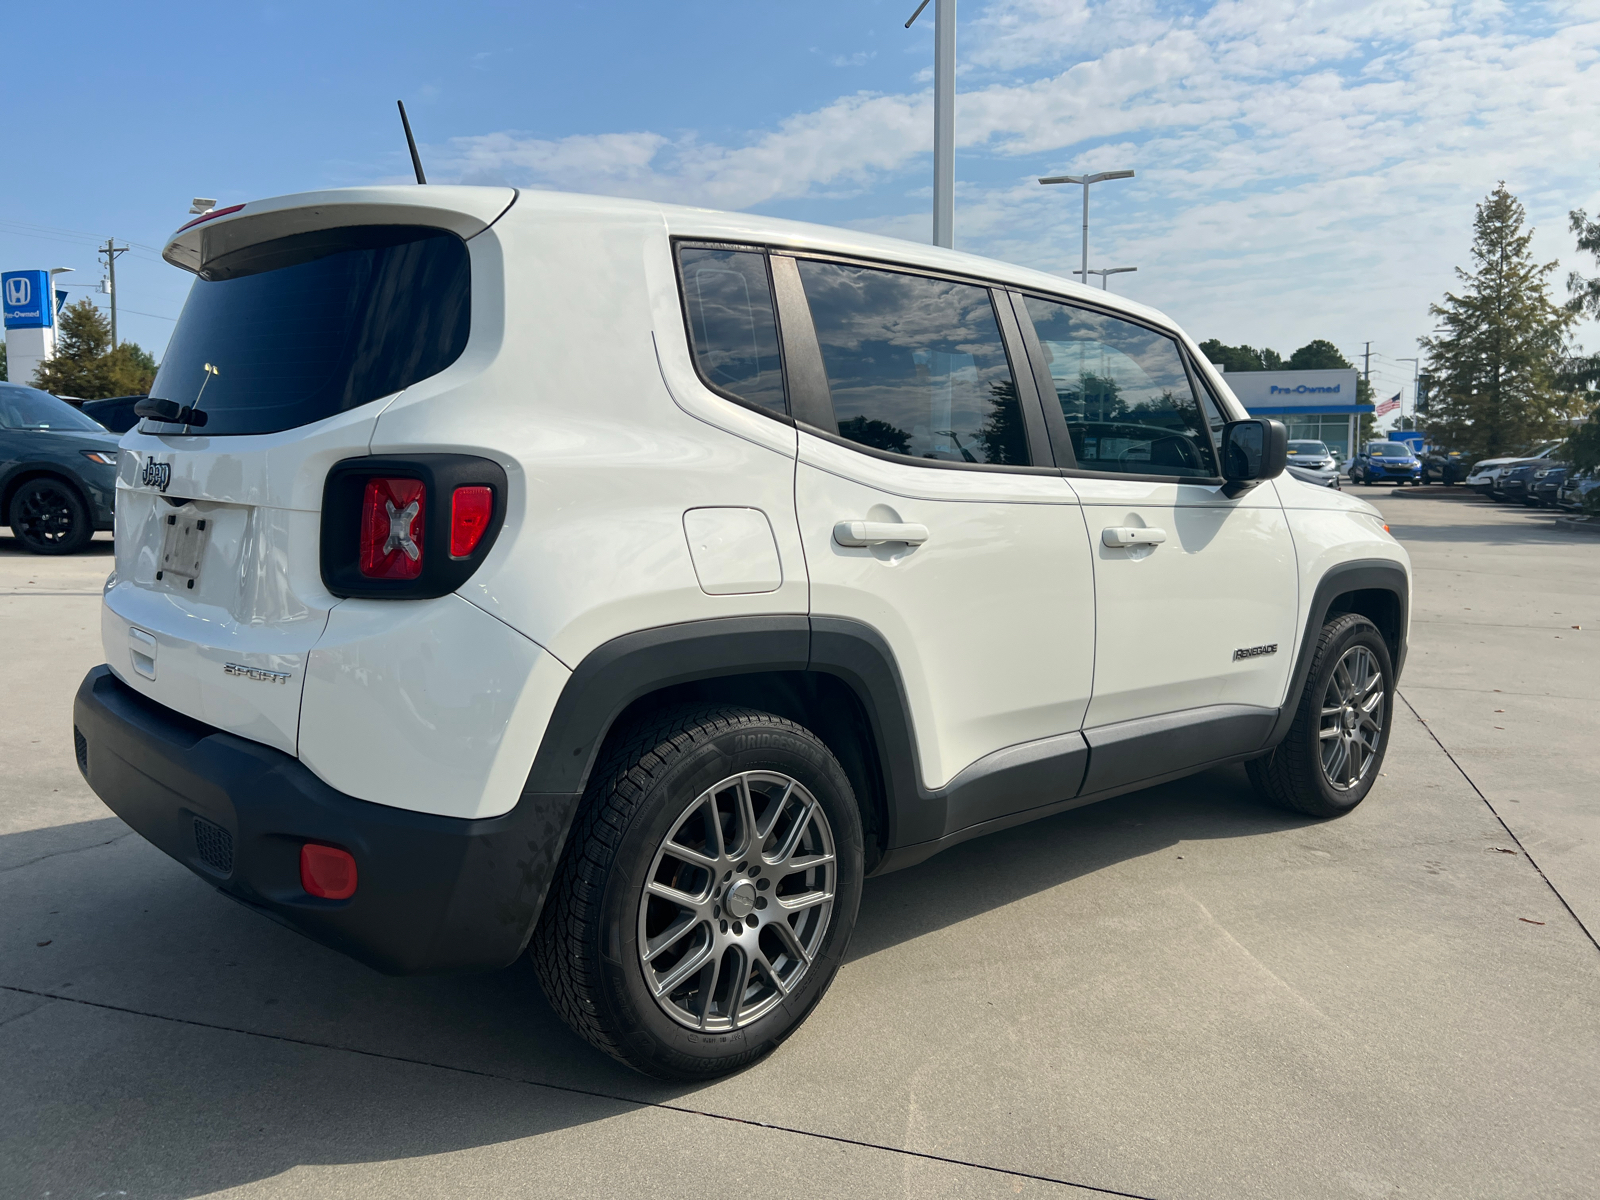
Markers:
(86, 366)
(3, 375)
(1241, 358)
(1583, 372)
(1497, 361)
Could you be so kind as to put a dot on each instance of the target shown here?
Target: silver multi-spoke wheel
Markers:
(1352, 718)
(737, 901)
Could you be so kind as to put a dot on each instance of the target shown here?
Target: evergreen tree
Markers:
(3, 375)
(1241, 358)
(85, 366)
(1583, 447)
(1497, 361)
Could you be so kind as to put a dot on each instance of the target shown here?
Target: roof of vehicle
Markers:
(469, 210)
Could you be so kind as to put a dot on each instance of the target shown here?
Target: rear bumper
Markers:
(433, 893)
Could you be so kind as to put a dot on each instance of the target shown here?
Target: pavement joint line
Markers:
(59, 853)
(570, 1090)
(1486, 624)
(1444, 687)
(1510, 833)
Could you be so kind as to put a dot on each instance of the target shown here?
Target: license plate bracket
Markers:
(183, 549)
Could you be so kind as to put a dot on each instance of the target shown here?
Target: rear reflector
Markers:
(327, 871)
(391, 528)
(470, 510)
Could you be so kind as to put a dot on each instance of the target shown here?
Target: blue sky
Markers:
(1304, 169)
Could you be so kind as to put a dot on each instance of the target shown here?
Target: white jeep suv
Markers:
(504, 573)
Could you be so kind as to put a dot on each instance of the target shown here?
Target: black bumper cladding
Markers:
(434, 893)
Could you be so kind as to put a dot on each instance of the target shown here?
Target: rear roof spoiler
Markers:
(465, 211)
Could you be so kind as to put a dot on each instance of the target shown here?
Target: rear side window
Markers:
(728, 304)
(915, 365)
(1124, 393)
(291, 331)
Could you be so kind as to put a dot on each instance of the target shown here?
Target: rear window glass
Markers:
(915, 365)
(291, 331)
(29, 408)
(728, 303)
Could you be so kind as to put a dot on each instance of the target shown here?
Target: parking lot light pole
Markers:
(1416, 370)
(944, 119)
(1104, 271)
(1086, 180)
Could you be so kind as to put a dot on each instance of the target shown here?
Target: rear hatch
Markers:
(308, 316)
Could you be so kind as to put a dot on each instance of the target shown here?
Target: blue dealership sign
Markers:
(26, 295)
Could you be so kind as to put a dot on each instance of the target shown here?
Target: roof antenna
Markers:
(412, 142)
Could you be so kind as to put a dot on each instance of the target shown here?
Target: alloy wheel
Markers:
(737, 901)
(1352, 718)
(45, 517)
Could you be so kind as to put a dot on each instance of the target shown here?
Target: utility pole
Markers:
(944, 119)
(112, 251)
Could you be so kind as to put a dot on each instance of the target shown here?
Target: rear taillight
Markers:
(470, 511)
(409, 528)
(392, 521)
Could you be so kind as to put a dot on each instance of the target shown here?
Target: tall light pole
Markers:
(1086, 180)
(1104, 271)
(944, 119)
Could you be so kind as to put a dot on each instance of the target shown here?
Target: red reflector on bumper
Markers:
(327, 871)
(470, 510)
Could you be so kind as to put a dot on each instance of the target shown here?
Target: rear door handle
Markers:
(878, 533)
(1127, 535)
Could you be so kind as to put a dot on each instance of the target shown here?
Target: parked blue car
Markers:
(58, 471)
(1385, 462)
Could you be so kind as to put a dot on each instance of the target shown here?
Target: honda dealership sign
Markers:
(26, 295)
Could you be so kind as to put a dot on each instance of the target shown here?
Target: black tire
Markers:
(48, 516)
(586, 948)
(1293, 775)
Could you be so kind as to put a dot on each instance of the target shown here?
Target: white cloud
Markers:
(1305, 169)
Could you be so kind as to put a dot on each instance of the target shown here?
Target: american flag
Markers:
(1388, 406)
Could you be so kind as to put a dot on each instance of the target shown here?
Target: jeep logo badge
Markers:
(156, 475)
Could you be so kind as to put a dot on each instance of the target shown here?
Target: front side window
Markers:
(291, 331)
(728, 303)
(1124, 393)
(915, 365)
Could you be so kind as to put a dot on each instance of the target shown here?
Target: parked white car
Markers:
(504, 572)
(1485, 473)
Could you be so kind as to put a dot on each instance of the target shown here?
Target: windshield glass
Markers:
(29, 408)
(1389, 450)
(287, 332)
(1309, 449)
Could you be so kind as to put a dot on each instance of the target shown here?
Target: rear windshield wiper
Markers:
(170, 411)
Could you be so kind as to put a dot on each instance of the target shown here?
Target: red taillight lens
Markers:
(391, 528)
(327, 871)
(470, 510)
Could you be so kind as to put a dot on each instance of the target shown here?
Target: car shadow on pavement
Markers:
(194, 1046)
(101, 547)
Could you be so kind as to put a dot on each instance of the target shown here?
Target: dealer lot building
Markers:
(1315, 405)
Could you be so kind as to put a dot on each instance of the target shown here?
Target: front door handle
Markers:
(878, 533)
(1127, 535)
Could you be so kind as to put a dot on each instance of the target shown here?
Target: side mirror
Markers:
(1252, 452)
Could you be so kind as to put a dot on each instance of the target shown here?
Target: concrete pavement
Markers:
(1180, 993)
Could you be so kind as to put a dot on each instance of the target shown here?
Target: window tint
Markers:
(915, 365)
(29, 408)
(1124, 393)
(294, 330)
(731, 323)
